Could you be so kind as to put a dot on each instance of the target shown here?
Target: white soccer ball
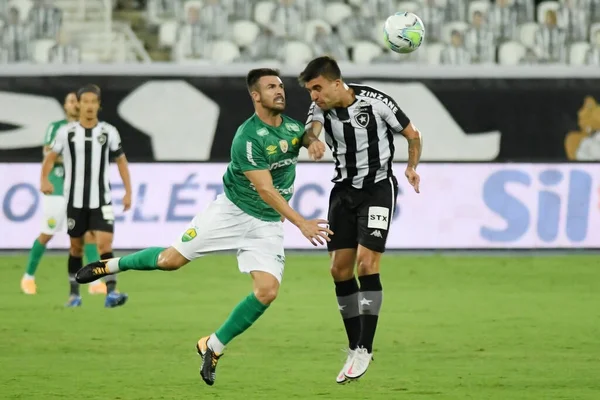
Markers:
(404, 32)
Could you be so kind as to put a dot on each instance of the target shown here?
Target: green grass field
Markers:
(484, 328)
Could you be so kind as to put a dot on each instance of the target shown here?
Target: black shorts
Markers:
(81, 220)
(362, 216)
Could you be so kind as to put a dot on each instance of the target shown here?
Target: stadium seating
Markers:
(162, 21)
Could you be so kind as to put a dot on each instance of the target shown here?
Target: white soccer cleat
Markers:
(341, 378)
(359, 363)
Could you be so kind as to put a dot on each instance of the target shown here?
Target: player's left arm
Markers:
(398, 122)
(114, 144)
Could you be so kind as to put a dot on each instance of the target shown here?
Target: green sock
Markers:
(91, 253)
(35, 255)
(241, 318)
(145, 260)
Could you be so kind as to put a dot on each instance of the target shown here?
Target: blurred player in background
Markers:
(55, 209)
(258, 184)
(359, 123)
(86, 147)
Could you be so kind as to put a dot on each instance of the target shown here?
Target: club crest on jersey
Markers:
(283, 145)
(102, 139)
(362, 119)
(295, 141)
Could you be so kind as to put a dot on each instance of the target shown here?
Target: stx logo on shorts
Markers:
(378, 218)
(190, 234)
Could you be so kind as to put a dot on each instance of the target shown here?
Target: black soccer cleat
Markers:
(92, 272)
(210, 359)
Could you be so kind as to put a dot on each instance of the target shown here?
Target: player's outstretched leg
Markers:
(243, 316)
(370, 301)
(145, 260)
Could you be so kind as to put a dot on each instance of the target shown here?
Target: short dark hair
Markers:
(324, 66)
(89, 88)
(72, 92)
(255, 74)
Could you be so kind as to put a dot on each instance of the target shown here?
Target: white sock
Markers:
(215, 344)
(27, 276)
(113, 265)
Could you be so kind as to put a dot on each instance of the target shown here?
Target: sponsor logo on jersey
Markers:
(384, 99)
(283, 144)
(292, 127)
(362, 119)
(272, 149)
(262, 132)
(188, 235)
(283, 163)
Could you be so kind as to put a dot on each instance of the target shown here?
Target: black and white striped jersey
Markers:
(361, 136)
(86, 155)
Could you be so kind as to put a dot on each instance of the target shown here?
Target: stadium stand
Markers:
(509, 32)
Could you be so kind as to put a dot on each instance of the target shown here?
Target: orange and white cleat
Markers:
(97, 287)
(28, 285)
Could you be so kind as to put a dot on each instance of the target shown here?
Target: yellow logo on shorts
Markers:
(189, 235)
(51, 223)
(272, 149)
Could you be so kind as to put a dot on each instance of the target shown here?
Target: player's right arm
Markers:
(248, 153)
(312, 131)
(56, 147)
(49, 137)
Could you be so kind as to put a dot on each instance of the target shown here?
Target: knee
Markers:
(266, 294)
(171, 260)
(341, 272)
(76, 250)
(368, 264)
(44, 239)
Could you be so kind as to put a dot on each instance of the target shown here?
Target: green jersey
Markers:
(57, 175)
(258, 146)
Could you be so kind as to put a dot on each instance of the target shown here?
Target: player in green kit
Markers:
(247, 218)
(55, 211)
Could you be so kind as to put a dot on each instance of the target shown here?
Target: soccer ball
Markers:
(404, 32)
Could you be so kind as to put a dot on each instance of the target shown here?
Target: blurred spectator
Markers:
(240, 9)
(593, 54)
(4, 56)
(328, 44)
(455, 53)
(525, 10)
(64, 52)
(214, 17)
(530, 58)
(573, 19)
(267, 46)
(388, 56)
(164, 9)
(434, 14)
(503, 21)
(479, 40)
(45, 19)
(287, 20)
(455, 10)
(550, 40)
(192, 38)
(378, 9)
(592, 7)
(356, 28)
(311, 9)
(16, 37)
